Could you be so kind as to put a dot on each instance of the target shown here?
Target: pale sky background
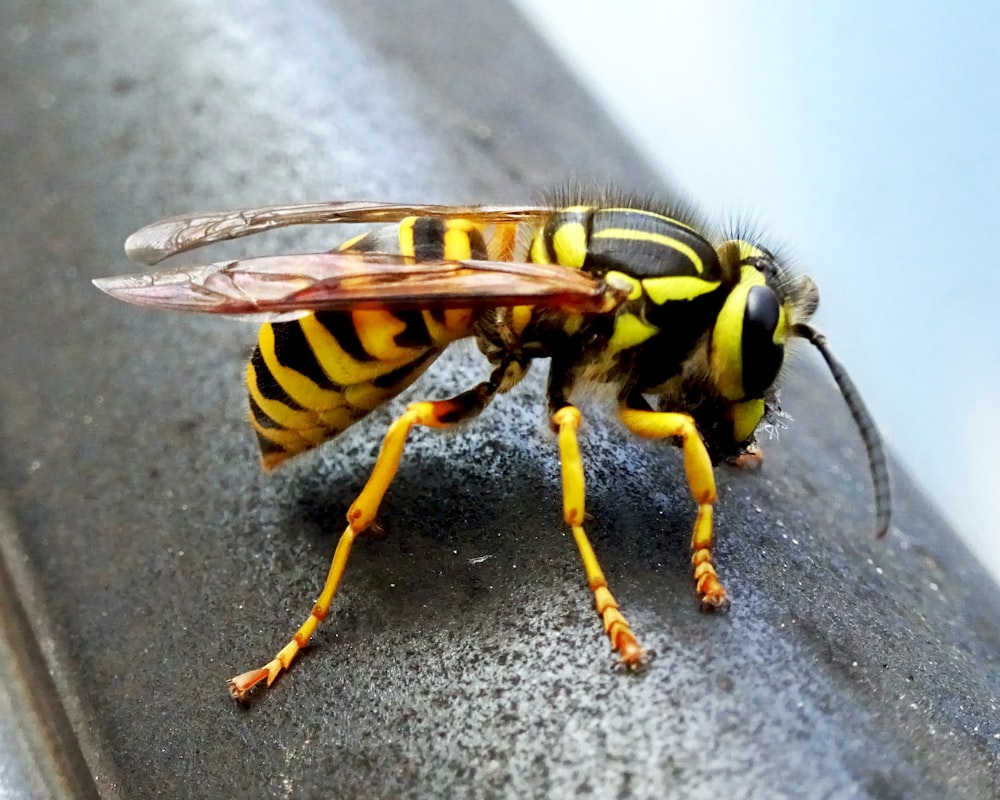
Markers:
(865, 136)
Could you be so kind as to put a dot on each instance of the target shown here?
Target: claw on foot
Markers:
(240, 686)
(710, 590)
(715, 603)
(633, 657)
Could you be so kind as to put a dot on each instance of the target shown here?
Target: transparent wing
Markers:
(282, 286)
(160, 240)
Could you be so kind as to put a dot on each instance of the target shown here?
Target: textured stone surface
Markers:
(462, 657)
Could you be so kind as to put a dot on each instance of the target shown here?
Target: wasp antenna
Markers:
(865, 423)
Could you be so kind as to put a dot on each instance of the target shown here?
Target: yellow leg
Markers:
(697, 464)
(567, 420)
(362, 512)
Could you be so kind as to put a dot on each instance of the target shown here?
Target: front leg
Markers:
(698, 465)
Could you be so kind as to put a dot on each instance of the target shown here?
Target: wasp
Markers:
(688, 329)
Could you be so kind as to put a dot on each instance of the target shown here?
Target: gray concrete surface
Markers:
(155, 561)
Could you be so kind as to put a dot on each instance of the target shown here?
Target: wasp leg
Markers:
(432, 414)
(567, 422)
(697, 464)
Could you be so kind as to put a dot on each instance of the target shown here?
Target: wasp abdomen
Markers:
(312, 378)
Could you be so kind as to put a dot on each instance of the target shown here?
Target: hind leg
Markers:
(432, 414)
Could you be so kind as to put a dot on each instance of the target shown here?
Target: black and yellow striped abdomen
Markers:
(313, 377)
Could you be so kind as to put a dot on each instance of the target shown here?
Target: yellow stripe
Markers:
(747, 250)
(656, 238)
(539, 252)
(629, 332)
(296, 385)
(352, 242)
(457, 323)
(290, 429)
(677, 287)
(456, 240)
(781, 329)
(336, 363)
(377, 331)
(283, 415)
(406, 236)
(520, 316)
(299, 429)
(289, 439)
(570, 244)
(751, 276)
(727, 344)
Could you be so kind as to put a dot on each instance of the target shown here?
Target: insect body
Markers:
(687, 329)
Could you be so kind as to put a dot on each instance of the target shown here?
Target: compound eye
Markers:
(762, 354)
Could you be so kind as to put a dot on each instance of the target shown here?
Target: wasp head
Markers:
(767, 307)
(746, 347)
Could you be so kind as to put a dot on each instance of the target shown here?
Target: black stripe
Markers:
(261, 416)
(267, 447)
(647, 259)
(400, 374)
(267, 385)
(428, 239)
(341, 327)
(415, 334)
(293, 350)
(547, 233)
(477, 244)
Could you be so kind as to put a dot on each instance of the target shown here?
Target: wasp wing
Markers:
(160, 240)
(290, 285)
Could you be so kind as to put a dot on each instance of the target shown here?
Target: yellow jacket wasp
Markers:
(687, 328)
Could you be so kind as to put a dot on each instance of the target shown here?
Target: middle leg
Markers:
(567, 422)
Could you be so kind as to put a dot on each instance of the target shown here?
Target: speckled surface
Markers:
(462, 658)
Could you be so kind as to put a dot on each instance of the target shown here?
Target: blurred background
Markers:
(863, 140)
